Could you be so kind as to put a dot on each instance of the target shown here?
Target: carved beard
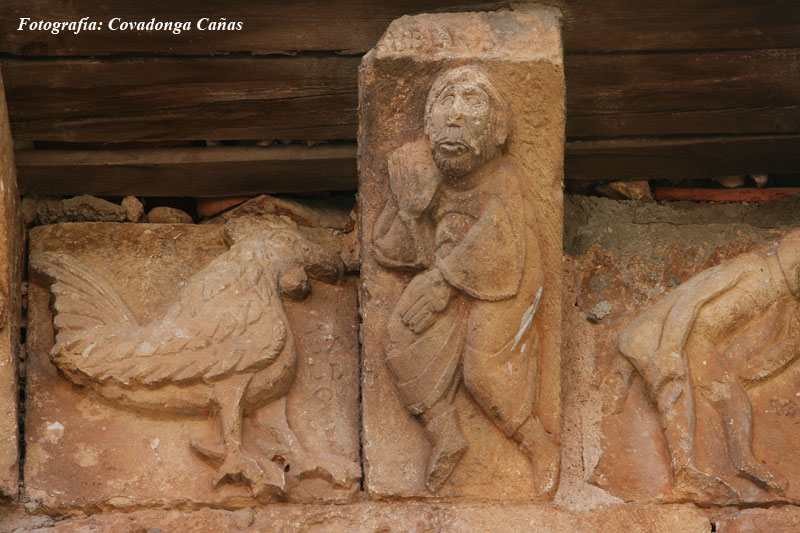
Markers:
(464, 155)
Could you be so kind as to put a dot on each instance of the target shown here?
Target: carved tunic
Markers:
(482, 238)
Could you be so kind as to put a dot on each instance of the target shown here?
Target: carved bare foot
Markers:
(694, 483)
(763, 476)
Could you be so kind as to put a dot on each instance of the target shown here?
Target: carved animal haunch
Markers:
(728, 329)
(224, 348)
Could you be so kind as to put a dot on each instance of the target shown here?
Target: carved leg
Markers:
(237, 465)
(299, 461)
(447, 443)
(677, 412)
(616, 385)
(737, 419)
(541, 448)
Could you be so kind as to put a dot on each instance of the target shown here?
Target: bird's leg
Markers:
(302, 464)
(238, 465)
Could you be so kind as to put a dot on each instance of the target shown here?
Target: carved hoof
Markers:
(764, 477)
(546, 465)
(693, 483)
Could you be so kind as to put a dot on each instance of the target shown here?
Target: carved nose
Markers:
(456, 113)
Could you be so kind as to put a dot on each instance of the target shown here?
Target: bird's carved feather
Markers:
(228, 318)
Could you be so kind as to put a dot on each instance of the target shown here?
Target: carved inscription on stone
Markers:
(717, 355)
(219, 351)
(455, 235)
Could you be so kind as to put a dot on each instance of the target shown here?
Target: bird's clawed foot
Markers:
(336, 470)
(238, 467)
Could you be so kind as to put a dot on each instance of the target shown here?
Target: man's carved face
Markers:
(461, 127)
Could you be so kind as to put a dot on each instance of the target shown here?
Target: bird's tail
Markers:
(87, 309)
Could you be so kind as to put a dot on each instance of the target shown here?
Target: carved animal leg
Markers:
(675, 403)
(616, 385)
(237, 465)
(541, 449)
(447, 443)
(301, 463)
(737, 419)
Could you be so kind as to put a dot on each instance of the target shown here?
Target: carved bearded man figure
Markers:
(461, 218)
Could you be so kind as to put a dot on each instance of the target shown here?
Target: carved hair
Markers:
(470, 74)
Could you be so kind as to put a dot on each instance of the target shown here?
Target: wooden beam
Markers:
(735, 92)
(354, 26)
(232, 171)
(303, 98)
(198, 172)
(310, 98)
(694, 157)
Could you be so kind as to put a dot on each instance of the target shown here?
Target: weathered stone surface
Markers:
(740, 380)
(311, 212)
(208, 207)
(775, 520)
(461, 242)
(134, 210)
(83, 208)
(406, 517)
(626, 190)
(128, 416)
(168, 215)
(10, 305)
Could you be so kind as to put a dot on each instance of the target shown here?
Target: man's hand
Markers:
(426, 296)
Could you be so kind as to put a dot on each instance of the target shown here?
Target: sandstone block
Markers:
(400, 516)
(461, 153)
(177, 376)
(685, 391)
(168, 215)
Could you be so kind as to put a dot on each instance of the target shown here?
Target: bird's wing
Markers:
(225, 320)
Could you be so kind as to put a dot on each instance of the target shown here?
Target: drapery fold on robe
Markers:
(467, 267)
(486, 246)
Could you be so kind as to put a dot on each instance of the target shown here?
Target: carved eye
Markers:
(447, 100)
(474, 100)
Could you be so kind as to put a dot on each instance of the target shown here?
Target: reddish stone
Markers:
(208, 207)
(693, 194)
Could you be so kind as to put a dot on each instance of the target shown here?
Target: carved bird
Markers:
(222, 348)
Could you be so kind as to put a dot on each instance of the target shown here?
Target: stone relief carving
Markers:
(729, 329)
(460, 217)
(222, 349)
